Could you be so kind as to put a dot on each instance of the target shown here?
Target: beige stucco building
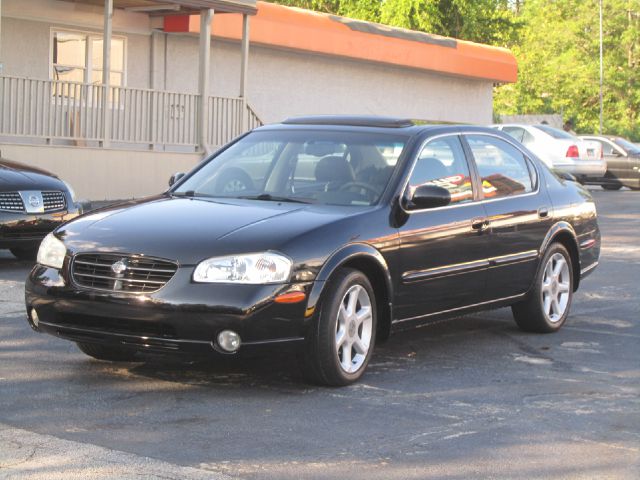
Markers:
(124, 139)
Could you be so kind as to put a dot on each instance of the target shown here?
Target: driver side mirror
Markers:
(429, 196)
(175, 177)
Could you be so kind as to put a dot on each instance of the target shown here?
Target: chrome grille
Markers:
(11, 201)
(142, 274)
(53, 201)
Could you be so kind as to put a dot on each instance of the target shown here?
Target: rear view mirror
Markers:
(175, 177)
(429, 196)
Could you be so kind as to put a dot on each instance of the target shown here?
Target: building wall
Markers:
(104, 174)
(285, 83)
(26, 36)
(280, 84)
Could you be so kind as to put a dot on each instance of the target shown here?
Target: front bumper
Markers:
(181, 317)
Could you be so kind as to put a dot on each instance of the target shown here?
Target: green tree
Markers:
(487, 21)
(558, 60)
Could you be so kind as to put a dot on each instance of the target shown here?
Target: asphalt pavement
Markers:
(471, 397)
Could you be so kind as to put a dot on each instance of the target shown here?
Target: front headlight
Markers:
(254, 268)
(71, 191)
(51, 252)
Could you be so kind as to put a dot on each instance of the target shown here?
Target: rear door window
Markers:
(504, 170)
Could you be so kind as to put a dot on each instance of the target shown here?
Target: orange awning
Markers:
(307, 31)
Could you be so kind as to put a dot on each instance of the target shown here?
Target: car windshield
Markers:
(628, 146)
(307, 166)
(555, 132)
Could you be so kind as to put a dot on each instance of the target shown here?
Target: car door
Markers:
(442, 250)
(618, 163)
(518, 212)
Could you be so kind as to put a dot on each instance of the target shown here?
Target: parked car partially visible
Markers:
(623, 162)
(559, 149)
(33, 202)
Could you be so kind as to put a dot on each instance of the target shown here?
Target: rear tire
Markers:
(108, 353)
(547, 306)
(611, 186)
(25, 253)
(344, 332)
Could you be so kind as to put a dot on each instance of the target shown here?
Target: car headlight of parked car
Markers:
(51, 252)
(71, 191)
(254, 268)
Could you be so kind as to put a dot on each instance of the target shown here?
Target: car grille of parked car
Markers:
(53, 201)
(11, 201)
(134, 274)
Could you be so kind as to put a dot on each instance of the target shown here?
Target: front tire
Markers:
(108, 353)
(611, 186)
(344, 333)
(546, 308)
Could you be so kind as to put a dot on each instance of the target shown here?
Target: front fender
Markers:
(351, 252)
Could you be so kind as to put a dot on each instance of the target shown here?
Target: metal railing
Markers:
(61, 110)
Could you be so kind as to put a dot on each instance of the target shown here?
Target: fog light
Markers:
(229, 341)
(34, 317)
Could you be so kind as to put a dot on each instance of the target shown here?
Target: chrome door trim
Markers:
(447, 270)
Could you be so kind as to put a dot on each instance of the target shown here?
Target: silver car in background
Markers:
(559, 149)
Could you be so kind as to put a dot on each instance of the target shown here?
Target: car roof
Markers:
(351, 120)
(373, 123)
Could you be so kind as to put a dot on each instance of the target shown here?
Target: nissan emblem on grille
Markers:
(119, 267)
(113, 272)
(34, 201)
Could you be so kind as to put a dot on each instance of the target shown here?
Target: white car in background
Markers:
(559, 149)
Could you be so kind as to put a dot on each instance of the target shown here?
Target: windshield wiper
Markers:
(274, 198)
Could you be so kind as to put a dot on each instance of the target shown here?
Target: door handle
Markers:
(543, 212)
(480, 224)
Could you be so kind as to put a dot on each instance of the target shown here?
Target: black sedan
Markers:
(623, 163)
(323, 234)
(33, 202)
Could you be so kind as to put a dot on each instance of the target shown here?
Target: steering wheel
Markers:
(360, 185)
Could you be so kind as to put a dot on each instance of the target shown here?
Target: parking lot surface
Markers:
(471, 397)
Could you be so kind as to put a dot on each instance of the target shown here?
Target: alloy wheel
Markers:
(556, 287)
(354, 329)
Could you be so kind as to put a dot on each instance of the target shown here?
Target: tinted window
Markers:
(503, 169)
(628, 146)
(515, 132)
(442, 163)
(607, 148)
(330, 167)
(554, 132)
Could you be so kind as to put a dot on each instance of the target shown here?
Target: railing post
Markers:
(106, 70)
(1, 64)
(203, 80)
(243, 71)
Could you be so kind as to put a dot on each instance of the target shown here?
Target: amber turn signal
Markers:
(291, 297)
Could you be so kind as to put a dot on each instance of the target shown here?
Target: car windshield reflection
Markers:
(334, 168)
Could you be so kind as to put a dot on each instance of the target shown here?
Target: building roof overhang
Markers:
(306, 31)
(184, 7)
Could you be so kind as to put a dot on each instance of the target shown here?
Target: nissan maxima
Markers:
(33, 202)
(320, 236)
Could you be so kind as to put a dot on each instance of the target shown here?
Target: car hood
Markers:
(189, 230)
(17, 176)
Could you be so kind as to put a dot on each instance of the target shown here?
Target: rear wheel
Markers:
(612, 186)
(25, 253)
(109, 353)
(547, 306)
(343, 336)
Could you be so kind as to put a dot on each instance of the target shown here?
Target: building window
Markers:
(77, 57)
